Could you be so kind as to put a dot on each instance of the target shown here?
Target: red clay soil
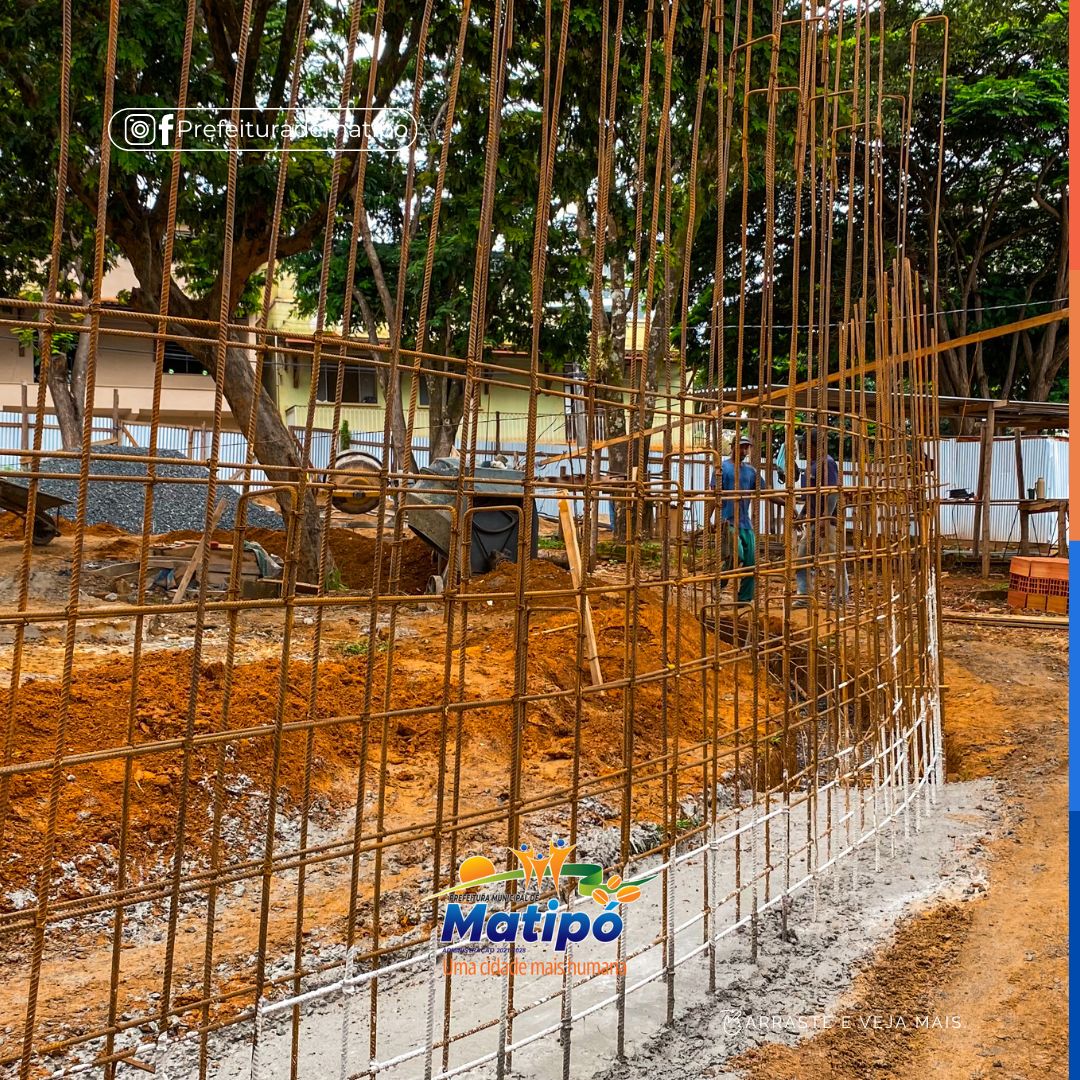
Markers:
(89, 801)
(544, 576)
(12, 527)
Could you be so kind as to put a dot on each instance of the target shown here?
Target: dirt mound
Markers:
(353, 553)
(354, 556)
(11, 527)
(88, 833)
(544, 576)
(90, 797)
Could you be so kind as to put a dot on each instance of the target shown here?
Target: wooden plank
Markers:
(984, 487)
(1033, 622)
(976, 510)
(220, 557)
(189, 572)
(1021, 494)
(1018, 446)
(556, 629)
(573, 555)
(1044, 506)
(24, 422)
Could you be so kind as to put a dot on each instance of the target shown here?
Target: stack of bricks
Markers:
(1039, 584)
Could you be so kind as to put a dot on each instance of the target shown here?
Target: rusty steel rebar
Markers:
(762, 744)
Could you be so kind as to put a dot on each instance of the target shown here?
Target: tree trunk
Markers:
(614, 412)
(275, 446)
(400, 454)
(275, 449)
(1046, 362)
(612, 370)
(68, 388)
(69, 410)
(659, 346)
(1046, 359)
(446, 404)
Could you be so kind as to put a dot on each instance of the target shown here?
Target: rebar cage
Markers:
(224, 815)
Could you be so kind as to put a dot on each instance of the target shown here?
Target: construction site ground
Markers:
(971, 982)
(100, 711)
(981, 934)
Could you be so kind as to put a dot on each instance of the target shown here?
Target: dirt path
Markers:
(991, 975)
(1011, 979)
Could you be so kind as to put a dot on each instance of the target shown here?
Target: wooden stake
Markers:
(987, 464)
(1021, 491)
(197, 554)
(573, 556)
(24, 424)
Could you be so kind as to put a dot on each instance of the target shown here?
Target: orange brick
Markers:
(1056, 569)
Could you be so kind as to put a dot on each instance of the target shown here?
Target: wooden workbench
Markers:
(1044, 506)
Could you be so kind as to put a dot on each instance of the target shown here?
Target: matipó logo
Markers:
(481, 922)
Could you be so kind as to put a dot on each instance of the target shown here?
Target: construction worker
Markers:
(781, 464)
(820, 533)
(737, 540)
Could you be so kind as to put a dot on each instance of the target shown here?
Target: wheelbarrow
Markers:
(13, 497)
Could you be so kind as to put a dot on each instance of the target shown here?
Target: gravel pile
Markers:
(120, 503)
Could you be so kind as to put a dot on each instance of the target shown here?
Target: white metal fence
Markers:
(1045, 457)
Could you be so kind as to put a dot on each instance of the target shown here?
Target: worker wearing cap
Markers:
(737, 540)
(821, 535)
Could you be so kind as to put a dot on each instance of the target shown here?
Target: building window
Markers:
(422, 399)
(178, 361)
(358, 388)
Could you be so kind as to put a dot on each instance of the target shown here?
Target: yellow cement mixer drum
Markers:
(355, 477)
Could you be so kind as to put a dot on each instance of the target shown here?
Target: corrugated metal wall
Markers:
(232, 450)
(1045, 456)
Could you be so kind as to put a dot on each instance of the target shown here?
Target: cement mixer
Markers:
(355, 477)
(496, 499)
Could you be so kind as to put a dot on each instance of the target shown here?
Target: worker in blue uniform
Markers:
(738, 542)
(822, 520)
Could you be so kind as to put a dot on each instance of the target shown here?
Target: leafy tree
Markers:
(1002, 228)
(149, 59)
(442, 327)
(1004, 218)
(568, 305)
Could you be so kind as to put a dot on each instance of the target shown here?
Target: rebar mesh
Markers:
(227, 820)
